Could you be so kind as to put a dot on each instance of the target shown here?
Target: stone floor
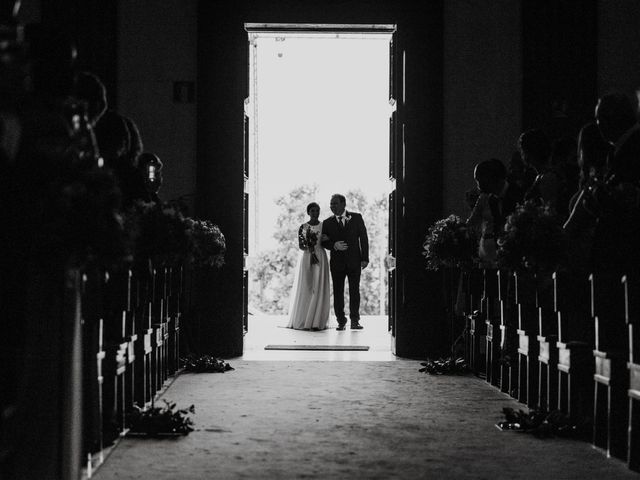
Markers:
(374, 419)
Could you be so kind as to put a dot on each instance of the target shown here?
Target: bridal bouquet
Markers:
(311, 240)
(448, 244)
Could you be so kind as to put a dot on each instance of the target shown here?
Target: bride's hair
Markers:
(311, 205)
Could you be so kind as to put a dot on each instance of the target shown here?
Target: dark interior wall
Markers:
(156, 48)
(560, 64)
(92, 24)
(222, 88)
(420, 326)
(482, 90)
(618, 46)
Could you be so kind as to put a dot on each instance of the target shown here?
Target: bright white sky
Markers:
(323, 117)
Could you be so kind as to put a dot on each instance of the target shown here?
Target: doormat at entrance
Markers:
(340, 348)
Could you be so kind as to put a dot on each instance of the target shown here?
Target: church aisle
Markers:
(317, 420)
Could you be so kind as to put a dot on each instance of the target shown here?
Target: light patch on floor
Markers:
(270, 330)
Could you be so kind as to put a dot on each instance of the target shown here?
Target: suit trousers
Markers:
(338, 277)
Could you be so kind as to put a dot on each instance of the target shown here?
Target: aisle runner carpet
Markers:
(285, 420)
(338, 348)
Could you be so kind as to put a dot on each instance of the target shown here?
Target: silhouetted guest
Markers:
(535, 150)
(113, 139)
(471, 197)
(135, 146)
(150, 167)
(497, 200)
(564, 163)
(114, 142)
(519, 173)
(581, 224)
(90, 89)
(617, 120)
(593, 151)
(618, 227)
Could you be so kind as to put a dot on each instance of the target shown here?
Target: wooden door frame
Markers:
(222, 85)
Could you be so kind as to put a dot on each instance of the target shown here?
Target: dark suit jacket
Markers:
(354, 233)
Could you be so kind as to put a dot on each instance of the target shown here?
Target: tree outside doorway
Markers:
(271, 272)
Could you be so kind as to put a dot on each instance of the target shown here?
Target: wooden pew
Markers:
(508, 333)
(631, 287)
(575, 344)
(528, 346)
(143, 348)
(611, 412)
(466, 307)
(477, 325)
(158, 326)
(93, 356)
(174, 308)
(115, 362)
(166, 319)
(547, 348)
(490, 309)
(131, 337)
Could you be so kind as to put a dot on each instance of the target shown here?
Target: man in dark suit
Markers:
(349, 246)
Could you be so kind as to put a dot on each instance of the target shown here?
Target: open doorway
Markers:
(316, 123)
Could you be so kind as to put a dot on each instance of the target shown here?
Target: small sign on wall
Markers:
(184, 92)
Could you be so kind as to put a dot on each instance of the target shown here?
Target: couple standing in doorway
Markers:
(345, 236)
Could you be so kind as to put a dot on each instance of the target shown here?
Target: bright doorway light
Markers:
(319, 117)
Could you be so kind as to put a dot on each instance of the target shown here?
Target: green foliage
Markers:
(165, 420)
(207, 243)
(80, 220)
(163, 235)
(445, 366)
(272, 271)
(533, 240)
(448, 244)
(205, 364)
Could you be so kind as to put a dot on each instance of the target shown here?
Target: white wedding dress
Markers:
(310, 297)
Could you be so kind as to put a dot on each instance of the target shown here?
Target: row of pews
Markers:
(131, 343)
(561, 342)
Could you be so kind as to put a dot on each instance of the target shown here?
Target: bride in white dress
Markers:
(310, 297)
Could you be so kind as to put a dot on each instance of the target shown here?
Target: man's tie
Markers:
(340, 221)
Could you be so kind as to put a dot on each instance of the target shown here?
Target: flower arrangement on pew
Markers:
(545, 424)
(205, 364)
(163, 234)
(207, 243)
(82, 223)
(533, 240)
(166, 237)
(160, 421)
(445, 366)
(449, 244)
